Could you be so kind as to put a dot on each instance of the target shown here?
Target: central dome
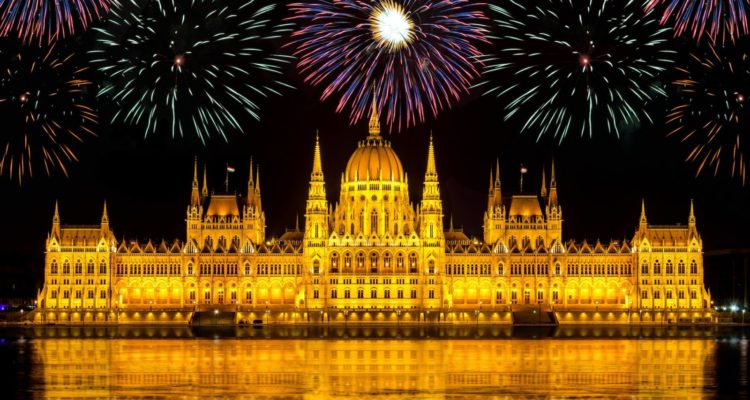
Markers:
(374, 159)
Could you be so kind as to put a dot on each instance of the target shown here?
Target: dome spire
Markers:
(431, 174)
(374, 117)
(317, 170)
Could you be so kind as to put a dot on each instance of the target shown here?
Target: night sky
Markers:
(146, 182)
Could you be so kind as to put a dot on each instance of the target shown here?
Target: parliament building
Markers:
(373, 256)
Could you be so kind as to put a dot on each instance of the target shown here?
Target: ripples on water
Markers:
(374, 362)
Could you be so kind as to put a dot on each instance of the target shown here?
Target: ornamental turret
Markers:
(431, 207)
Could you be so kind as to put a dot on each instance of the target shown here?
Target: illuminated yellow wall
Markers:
(375, 250)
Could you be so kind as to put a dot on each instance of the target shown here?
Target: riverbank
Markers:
(369, 317)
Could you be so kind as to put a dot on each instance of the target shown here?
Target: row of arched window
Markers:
(669, 267)
(361, 263)
(78, 267)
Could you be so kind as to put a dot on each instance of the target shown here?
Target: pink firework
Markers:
(413, 55)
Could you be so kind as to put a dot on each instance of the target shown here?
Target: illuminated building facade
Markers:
(375, 255)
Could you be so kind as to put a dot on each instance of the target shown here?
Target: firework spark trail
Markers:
(567, 68)
(710, 114)
(189, 67)
(718, 19)
(45, 112)
(48, 20)
(418, 56)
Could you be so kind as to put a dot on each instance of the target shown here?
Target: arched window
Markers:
(223, 242)
(657, 267)
(400, 261)
(360, 260)
(79, 267)
(352, 229)
(670, 269)
(66, 267)
(247, 268)
(387, 220)
(693, 267)
(395, 229)
(511, 241)
(387, 260)
(53, 267)
(347, 262)
(539, 242)
(335, 262)
(236, 242)
(103, 267)
(362, 220)
(316, 267)
(190, 268)
(373, 262)
(431, 267)
(557, 269)
(413, 262)
(525, 242)
(644, 267)
(374, 222)
(501, 269)
(681, 267)
(90, 267)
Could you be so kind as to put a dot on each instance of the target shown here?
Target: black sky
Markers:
(601, 180)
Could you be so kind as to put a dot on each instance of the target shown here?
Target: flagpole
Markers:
(226, 182)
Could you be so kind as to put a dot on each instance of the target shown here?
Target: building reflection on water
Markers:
(193, 366)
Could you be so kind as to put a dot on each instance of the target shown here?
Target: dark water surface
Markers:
(374, 362)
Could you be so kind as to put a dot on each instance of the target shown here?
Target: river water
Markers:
(374, 363)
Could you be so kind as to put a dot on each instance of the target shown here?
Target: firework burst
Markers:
(719, 19)
(47, 20)
(189, 66)
(562, 66)
(711, 115)
(44, 109)
(415, 55)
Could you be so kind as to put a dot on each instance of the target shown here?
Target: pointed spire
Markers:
(544, 183)
(56, 221)
(257, 179)
(491, 179)
(204, 190)
(250, 181)
(317, 170)
(497, 172)
(374, 117)
(431, 174)
(56, 216)
(195, 173)
(691, 218)
(249, 199)
(195, 194)
(552, 180)
(643, 221)
(105, 217)
(552, 186)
